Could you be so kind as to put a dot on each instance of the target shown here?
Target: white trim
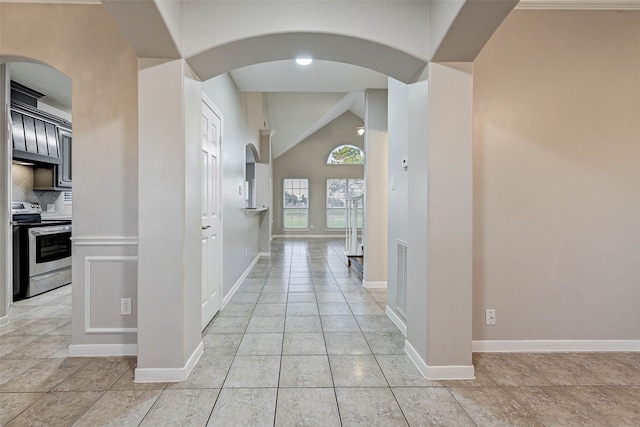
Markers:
(555, 346)
(88, 329)
(4, 321)
(235, 287)
(580, 4)
(264, 254)
(94, 350)
(374, 285)
(157, 375)
(451, 372)
(397, 320)
(308, 236)
(105, 241)
(95, 331)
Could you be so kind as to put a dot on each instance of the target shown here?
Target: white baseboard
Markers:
(397, 320)
(265, 254)
(102, 350)
(161, 375)
(4, 321)
(235, 287)
(438, 372)
(539, 346)
(308, 236)
(374, 285)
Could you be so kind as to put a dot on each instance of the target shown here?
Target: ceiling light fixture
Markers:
(304, 61)
(360, 131)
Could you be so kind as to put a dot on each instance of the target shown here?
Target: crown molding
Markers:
(580, 4)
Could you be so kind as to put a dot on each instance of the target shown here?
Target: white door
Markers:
(211, 207)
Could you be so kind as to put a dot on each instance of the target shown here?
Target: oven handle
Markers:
(44, 231)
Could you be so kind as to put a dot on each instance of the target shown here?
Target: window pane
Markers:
(346, 155)
(295, 218)
(356, 187)
(296, 193)
(337, 192)
(296, 203)
(336, 218)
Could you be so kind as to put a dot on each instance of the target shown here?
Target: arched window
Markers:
(346, 155)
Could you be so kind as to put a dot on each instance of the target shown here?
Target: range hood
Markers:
(35, 133)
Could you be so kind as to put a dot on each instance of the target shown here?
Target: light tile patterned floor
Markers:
(301, 343)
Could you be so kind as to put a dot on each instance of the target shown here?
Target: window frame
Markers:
(330, 156)
(293, 188)
(347, 193)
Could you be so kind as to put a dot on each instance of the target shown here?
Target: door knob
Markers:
(208, 226)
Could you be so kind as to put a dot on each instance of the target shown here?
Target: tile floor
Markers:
(301, 343)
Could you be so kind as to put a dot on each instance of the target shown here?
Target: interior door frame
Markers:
(219, 264)
(6, 263)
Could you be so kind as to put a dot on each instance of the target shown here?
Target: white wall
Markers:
(241, 232)
(557, 177)
(398, 196)
(309, 160)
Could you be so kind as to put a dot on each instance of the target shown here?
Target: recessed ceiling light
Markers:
(304, 61)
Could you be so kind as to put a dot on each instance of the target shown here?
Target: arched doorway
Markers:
(36, 169)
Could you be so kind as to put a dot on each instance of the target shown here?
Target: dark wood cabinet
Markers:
(64, 170)
(57, 177)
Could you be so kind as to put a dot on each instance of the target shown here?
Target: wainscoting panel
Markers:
(105, 271)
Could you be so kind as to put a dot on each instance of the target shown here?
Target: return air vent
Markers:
(401, 279)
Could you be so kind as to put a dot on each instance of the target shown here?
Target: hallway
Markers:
(302, 343)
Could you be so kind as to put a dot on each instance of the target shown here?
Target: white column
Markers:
(374, 234)
(266, 219)
(440, 222)
(169, 255)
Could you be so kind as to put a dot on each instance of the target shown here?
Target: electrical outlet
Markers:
(125, 306)
(51, 208)
(490, 316)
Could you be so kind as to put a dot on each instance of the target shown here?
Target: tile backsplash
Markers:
(22, 189)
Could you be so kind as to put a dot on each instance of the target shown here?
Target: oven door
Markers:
(49, 249)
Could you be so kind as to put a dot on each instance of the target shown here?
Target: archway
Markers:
(40, 97)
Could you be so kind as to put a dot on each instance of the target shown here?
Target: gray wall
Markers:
(557, 177)
(241, 232)
(309, 160)
(398, 198)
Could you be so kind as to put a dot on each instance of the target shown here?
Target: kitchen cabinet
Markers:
(64, 170)
(56, 177)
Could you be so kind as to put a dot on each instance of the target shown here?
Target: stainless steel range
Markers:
(41, 251)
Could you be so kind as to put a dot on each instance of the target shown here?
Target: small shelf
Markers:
(254, 210)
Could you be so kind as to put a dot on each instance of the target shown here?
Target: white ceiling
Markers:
(319, 76)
